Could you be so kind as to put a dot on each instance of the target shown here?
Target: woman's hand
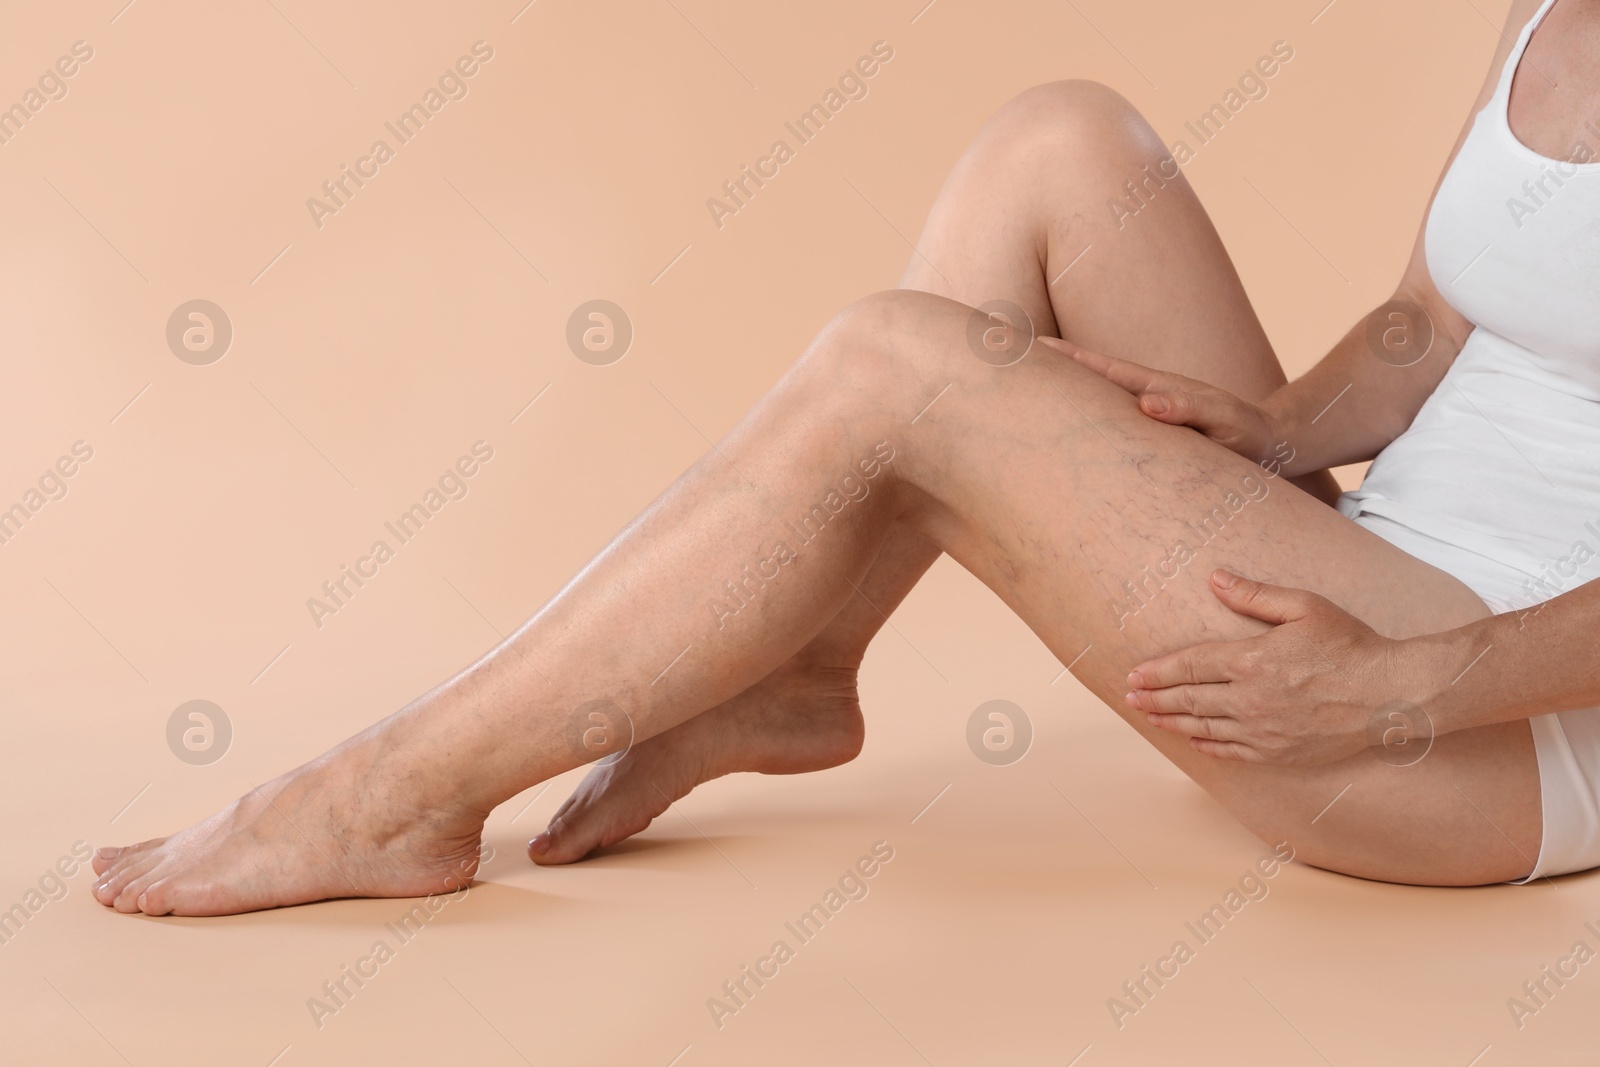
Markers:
(1232, 422)
(1319, 686)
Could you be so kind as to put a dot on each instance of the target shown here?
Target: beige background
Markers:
(425, 315)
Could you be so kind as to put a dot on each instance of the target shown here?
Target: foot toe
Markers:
(132, 897)
(106, 858)
(592, 820)
(157, 897)
(561, 842)
(117, 879)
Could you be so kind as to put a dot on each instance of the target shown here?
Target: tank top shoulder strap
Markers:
(1502, 90)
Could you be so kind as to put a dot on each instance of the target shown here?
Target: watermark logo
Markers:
(1400, 734)
(742, 590)
(199, 332)
(1559, 171)
(738, 191)
(338, 992)
(1140, 592)
(599, 332)
(52, 485)
(51, 887)
(454, 484)
(1400, 333)
(453, 84)
(1140, 191)
(1539, 991)
(1251, 888)
(852, 886)
(999, 733)
(999, 332)
(600, 732)
(199, 732)
(50, 87)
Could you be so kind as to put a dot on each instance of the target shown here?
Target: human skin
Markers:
(1012, 222)
(1304, 693)
(1042, 478)
(1017, 218)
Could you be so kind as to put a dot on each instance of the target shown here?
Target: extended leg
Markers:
(1040, 478)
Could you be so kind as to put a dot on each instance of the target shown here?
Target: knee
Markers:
(882, 316)
(1082, 120)
(1071, 100)
(889, 341)
(884, 326)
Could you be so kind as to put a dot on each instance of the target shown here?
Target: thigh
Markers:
(1068, 204)
(1047, 483)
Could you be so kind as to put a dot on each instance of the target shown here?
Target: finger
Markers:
(1134, 377)
(1227, 750)
(1205, 727)
(1169, 398)
(1195, 665)
(1093, 360)
(1276, 604)
(1207, 700)
(1161, 395)
(1212, 413)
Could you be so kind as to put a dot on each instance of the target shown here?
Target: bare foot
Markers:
(348, 824)
(800, 718)
(360, 821)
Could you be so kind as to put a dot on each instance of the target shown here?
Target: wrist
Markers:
(1280, 454)
(1439, 676)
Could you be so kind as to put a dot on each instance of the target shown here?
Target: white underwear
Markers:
(1567, 743)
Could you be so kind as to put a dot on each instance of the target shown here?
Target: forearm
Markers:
(1512, 666)
(1367, 389)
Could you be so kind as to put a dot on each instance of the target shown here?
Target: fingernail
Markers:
(1136, 680)
(1224, 579)
(1132, 699)
(1156, 404)
(540, 844)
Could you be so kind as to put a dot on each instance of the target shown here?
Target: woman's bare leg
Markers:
(1040, 478)
(1025, 217)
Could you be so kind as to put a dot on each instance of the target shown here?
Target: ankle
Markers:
(418, 770)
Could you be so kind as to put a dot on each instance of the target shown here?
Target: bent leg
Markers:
(1028, 215)
(1037, 212)
(1041, 478)
(1081, 498)
(1084, 497)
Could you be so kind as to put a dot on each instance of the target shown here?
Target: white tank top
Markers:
(1498, 478)
(1513, 239)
